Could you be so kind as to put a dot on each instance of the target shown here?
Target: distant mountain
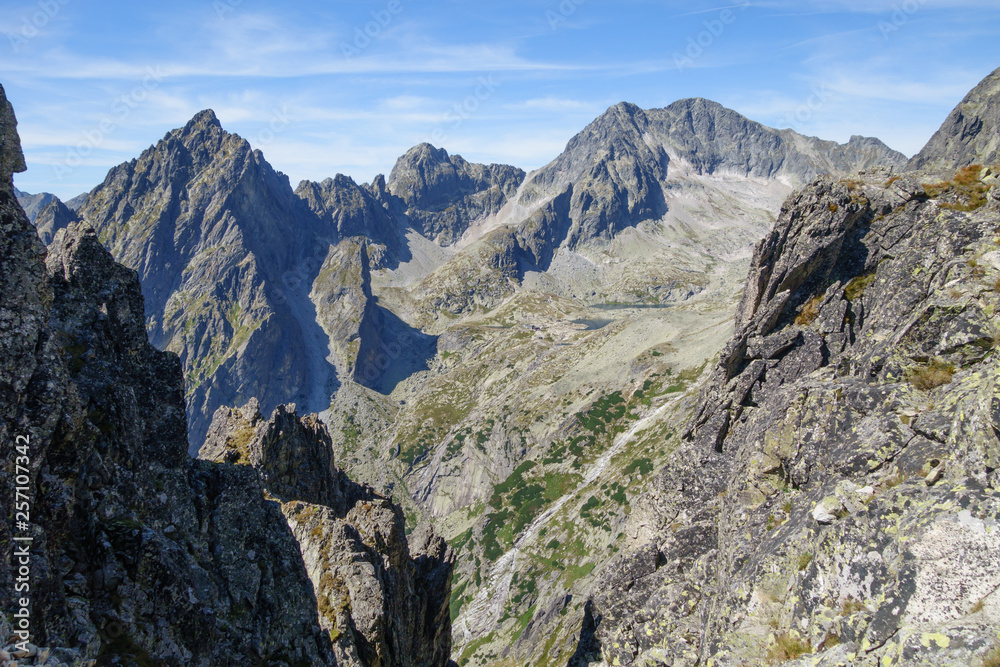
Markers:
(51, 218)
(690, 170)
(219, 240)
(618, 165)
(457, 323)
(32, 204)
(970, 134)
(444, 193)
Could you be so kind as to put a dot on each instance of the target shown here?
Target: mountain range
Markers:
(546, 367)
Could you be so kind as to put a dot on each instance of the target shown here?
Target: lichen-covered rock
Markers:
(383, 600)
(842, 488)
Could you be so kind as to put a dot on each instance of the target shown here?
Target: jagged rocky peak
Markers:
(619, 133)
(970, 134)
(710, 138)
(346, 209)
(383, 600)
(218, 238)
(618, 169)
(443, 193)
(142, 555)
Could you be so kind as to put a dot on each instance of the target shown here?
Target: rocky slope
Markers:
(384, 602)
(966, 137)
(140, 555)
(836, 501)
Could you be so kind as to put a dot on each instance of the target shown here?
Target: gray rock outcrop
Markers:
(838, 495)
(383, 600)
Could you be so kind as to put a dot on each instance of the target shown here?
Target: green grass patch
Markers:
(643, 466)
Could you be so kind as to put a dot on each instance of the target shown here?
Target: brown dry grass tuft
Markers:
(930, 375)
(965, 188)
(809, 312)
(786, 647)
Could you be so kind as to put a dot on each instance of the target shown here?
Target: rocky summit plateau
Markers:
(696, 392)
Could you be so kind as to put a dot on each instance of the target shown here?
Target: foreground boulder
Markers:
(382, 598)
(838, 497)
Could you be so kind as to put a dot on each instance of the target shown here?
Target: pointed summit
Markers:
(204, 118)
(444, 193)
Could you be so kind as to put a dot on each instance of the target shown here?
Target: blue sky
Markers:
(348, 86)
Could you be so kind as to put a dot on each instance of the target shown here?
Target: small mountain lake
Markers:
(623, 306)
(592, 324)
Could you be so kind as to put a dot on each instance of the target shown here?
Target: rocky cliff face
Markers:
(837, 500)
(141, 555)
(969, 135)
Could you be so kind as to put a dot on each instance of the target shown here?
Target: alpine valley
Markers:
(696, 392)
